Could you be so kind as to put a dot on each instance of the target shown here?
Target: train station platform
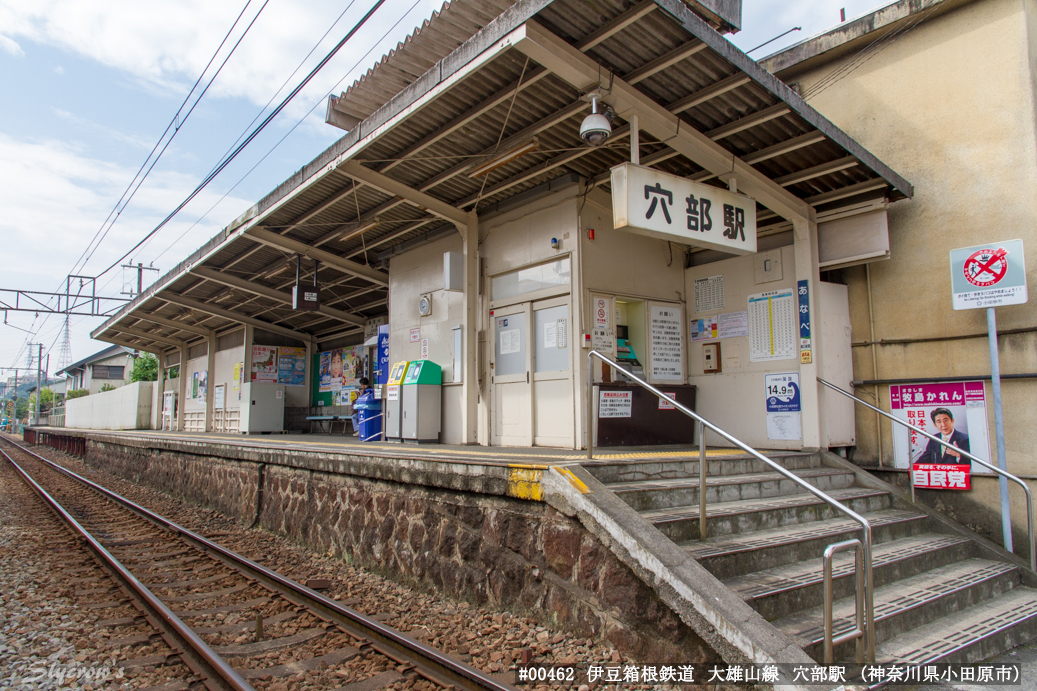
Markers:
(504, 471)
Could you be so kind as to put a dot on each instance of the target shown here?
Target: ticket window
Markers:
(631, 342)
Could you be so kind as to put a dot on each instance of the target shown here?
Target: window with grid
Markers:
(108, 372)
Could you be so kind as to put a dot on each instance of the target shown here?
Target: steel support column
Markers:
(805, 248)
(470, 376)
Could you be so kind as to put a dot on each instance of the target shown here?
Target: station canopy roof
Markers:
(479, 81)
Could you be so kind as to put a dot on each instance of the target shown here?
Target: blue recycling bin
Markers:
(369, 416)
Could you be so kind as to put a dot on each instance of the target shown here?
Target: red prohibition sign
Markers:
(986, 267)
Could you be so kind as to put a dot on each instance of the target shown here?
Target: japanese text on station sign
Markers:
(650, 202)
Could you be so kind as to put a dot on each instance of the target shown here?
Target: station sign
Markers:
(659, 205)
(992, 275)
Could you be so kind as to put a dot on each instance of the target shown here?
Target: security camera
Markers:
(596, 128)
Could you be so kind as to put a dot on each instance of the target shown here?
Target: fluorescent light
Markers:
(505, 158)
(360, 230)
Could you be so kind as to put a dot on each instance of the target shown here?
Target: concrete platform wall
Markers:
(128, 407)
(438, 525)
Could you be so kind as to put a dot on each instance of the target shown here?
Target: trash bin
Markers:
(369, 415)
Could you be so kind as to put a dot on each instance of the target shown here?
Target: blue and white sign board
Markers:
(992, 275)
(649, 202)
(783, 406)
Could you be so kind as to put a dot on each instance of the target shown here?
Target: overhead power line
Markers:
(266, 121)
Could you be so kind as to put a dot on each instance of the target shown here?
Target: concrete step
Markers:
(681, 523)
(727, 556)
(688, 466)
(907, 604)
(644, 495)
(971, 635)
(777, 592)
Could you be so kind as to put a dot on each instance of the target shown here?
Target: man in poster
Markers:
(943, 419)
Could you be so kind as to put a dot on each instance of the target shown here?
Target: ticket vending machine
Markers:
(422, 401)
(391, 412)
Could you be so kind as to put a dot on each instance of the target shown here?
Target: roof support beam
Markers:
(172, 324)
(386, 184)
(817, 171)
(323, 256)
(264, 291)
(192, 304)
(124, 343)
(618, 24)
(712, 91)
(749, 121)
(157, 338)
(663, 61)
(583, 73)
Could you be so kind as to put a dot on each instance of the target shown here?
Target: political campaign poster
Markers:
(954, 411)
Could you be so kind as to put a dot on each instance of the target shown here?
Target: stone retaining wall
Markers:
(498, 551)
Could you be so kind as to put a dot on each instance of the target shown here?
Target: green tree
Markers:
(145, 368)
(77, 393)
(46, 400)
(108, 387)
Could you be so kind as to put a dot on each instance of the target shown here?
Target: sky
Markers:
(89, 87)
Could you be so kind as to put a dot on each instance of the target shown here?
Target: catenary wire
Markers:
(266, 121)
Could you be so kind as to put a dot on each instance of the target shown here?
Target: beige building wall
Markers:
(950, 106)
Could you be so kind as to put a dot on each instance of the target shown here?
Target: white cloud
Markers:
(55, 197)
(9, 46)
(103, 131)
(59, 70)
(166, 43)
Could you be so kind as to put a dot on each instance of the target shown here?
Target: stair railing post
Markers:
(590, 404)
(702, 481)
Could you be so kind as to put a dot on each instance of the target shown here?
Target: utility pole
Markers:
(140, 269)
(39, 391)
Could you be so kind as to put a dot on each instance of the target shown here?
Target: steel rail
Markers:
(196, 653)
(869, 609)
(430, 663)
(1026, 488)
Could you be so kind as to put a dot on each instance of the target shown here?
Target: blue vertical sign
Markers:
(805, 353)
(382, 368)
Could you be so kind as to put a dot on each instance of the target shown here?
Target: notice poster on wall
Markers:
(199, 384)
(709, 294)
(615, 403)
(955, 411)
(733, 324)
(510, 341)
(264, 364)
(219, 397)
(783, 407)
(773, 326)
(291, 366)
(667, 344)
(704, 329)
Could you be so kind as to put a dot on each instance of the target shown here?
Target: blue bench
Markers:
(327, 422)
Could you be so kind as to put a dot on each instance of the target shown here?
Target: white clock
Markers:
(425, 305)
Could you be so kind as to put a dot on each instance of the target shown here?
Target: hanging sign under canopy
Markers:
(659, 205)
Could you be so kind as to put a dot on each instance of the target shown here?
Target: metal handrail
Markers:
(966, 454)
(858, 631)
(703, 425)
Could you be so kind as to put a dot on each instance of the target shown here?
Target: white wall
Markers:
(128, 407)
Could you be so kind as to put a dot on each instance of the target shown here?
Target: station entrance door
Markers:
(532, 374)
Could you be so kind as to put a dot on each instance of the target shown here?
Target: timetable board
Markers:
(773, 327)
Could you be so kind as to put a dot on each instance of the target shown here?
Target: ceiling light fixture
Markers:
(361, 229)
(505, 158)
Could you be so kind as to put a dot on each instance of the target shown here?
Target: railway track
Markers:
(215, 618)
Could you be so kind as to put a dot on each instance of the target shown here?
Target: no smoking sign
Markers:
(986, 267)
(988, 276)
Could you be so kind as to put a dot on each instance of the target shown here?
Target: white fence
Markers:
(128, 407)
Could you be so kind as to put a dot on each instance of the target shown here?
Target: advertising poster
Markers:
(783, 407)
(194, 385)
(264, 364)
(955, 411)
(291, 366)
(704, 329)
(341, 368)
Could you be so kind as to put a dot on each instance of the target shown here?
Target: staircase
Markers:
(941, 593)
